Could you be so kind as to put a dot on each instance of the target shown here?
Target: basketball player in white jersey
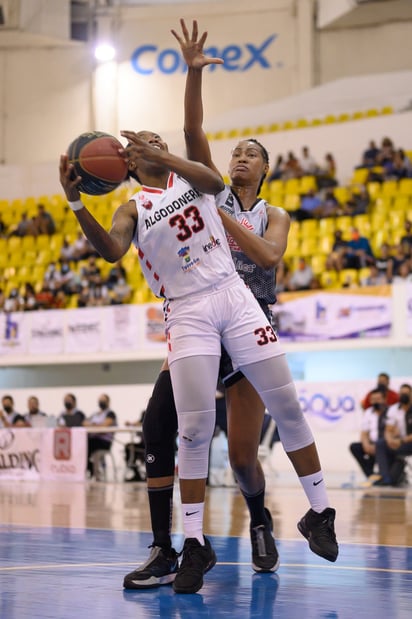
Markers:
(249, 161)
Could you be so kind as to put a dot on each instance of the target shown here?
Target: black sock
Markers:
(256, 506)
(161, 510)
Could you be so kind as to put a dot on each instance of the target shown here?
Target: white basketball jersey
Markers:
(180, 238)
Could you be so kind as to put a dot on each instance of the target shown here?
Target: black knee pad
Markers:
(160, 428)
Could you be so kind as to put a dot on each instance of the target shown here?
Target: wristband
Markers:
(76, 206)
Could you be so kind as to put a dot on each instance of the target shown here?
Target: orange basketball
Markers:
(96, 159)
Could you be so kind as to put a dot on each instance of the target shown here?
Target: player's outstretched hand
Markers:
(69, 181)
(192, 47)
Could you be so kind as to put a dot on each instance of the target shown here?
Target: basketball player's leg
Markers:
(245, 418)
(273, 381)
(159, 432)
(194, 382)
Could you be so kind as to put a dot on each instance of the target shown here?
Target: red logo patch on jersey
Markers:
(145, 202)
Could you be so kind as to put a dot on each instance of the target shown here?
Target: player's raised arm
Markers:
(110, 245)
(191, 46)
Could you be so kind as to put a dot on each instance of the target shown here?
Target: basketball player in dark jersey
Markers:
(257, 242)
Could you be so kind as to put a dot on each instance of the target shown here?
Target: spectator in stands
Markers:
(82, 248)
(121, 292)
(90, 273)
(335, 259)
(69, 280)
(282, 276)
(59, 300)
(116, 272)
(407, 237)
(310, 206)
(358, 203)
(384, 261)
(330, 206)
(35, 417)
(13, 303)
(404, 273)
(372, 428)
(277, 171)
(292, 168)
(3, 228)
(391, 397)
(396, 443)
(307, 163)
(326, 174)
(98, 441)
(98, 296)
(25, 227)
(370, 155)
(374, 278)
(44, 222)
(83, 300)
(9, 418)
(399, 257)
(52, 276)
(71, 416)
(29, 301)
(386, 152)
(67, 251)
(395, 169)
(358, 252)
(45, 297)
(301, 278)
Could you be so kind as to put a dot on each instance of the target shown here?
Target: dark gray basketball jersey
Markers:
(262, 282)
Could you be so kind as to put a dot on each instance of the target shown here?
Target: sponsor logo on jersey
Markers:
(211, 245)
(188, 262)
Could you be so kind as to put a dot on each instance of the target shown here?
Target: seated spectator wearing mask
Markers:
(71, 417)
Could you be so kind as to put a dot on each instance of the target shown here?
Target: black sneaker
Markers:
(319, 530)
(265, 557)
(196, 561)
(160, 569)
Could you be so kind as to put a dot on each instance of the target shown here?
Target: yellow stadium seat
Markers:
(315, 122)
(287, 125)
(378, 220)
(294, 230)
(276, 199)
(273, 127)
(276, 187)
(325, 243)
(378, 238)
(344, 223)
(396, 235)
(233, 133)
(308, 247)
(307, 183)
(24, 274)
(301, 123)
(246, 132)
(359, 176)
(348, 277)
(38, 272)
(383, 204)
(292, 185)
(29, 257)
(44, 256)
(389, 188)
(387, 109)
(363, 224)
(363, 273)
(326, 225)
(308, 229)
(342, 194)
(358, 115)
(330, 119)
(14, 244)
(372, 112)
(396, 218)
(328, 279)
(374, 190)
(4, 260)
(293, 247)
(342, 118)
(405, 187)
(292, 202)
(317, 263)
(28, 242)
(261, 129)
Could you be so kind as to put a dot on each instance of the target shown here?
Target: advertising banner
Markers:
(328, 315)
(83, 330)
(13, 333)
(121, 327)
(46, 333)
(20, 451)
(63, 454)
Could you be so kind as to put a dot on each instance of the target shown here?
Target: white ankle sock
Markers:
(192, 514)
(315, 490)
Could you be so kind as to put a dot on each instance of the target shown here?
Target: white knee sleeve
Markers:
(195, 434)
